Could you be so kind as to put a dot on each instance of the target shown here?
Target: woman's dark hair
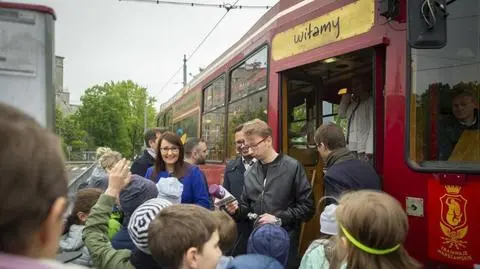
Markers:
(180, 166)
(85, 200)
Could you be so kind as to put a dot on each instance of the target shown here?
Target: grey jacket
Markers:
(284, 192)
(73, 241)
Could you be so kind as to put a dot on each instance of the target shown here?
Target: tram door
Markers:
(311, 96)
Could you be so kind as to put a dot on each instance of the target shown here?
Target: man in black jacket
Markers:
(276, 188)
(141, 164)
(343, 171)
(233, 182)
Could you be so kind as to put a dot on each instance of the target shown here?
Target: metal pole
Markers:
(145, 114)
(184, 70)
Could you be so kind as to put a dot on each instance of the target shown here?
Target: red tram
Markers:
(288, 69)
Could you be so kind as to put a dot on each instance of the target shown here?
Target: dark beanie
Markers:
(137, 192)
(270, 240)
(254, 261)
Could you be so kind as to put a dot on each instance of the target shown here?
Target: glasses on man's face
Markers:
(166, 150)
(255, 145)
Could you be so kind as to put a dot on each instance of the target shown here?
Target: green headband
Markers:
(367, 249)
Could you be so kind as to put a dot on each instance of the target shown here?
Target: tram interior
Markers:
(311, 96)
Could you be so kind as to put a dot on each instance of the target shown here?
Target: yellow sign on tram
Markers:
(348, 21)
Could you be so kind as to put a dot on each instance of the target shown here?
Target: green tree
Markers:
(69, 130)
(113, 115)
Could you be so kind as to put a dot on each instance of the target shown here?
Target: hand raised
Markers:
(118, 178)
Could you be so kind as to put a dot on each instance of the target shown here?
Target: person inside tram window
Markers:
(33, 193)
(233, 182)
(357, 106)
(343, 172)
(276, 188)
(171, 163)
(465, 116)
(142, 163)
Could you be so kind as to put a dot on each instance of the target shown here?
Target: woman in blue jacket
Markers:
(169, 163)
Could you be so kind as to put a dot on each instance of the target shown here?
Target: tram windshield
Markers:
(444, 122)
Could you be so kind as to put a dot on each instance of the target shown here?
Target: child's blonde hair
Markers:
(100, 151)
(109, 159)
(372, 222)
(227, 230)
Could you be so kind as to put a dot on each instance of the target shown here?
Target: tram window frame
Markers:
(231, 126)
(428, 166)
(222, 133)
(255, 52)
(212, 109)
(229, 131)
(210, 87)
(190, 117)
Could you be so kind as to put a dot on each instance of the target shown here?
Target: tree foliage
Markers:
(70, 132)
(113, 115)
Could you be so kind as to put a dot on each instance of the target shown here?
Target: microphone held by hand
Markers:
(221, 195)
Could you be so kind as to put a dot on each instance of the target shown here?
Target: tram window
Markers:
(243, 110)
(213, 129)
(251, 76)
(298, 125)
(330, 114)
(207, 99)
(188, 126)
(214, 94)
(167, 119)
(444, 120)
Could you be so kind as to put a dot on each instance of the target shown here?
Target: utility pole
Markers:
(184, 70)
(145, 115)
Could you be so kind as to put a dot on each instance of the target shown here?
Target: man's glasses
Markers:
(253, 146)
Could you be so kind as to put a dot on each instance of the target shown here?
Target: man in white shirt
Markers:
(357, 106)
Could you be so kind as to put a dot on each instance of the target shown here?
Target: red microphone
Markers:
(223, 197)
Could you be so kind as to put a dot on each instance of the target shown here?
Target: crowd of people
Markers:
(158, 212)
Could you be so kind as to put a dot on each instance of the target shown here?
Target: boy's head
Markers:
(85, 200)
(270, 240)
(227, 230)
(185, 236)
(141, 219)
(33, 186)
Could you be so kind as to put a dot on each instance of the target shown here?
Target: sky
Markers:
(111, 40)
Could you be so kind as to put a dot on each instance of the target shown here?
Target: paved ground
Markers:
(74, 170)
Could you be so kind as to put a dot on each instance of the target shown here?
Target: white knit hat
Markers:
(141, 219)
(328, 221)
(170, 189)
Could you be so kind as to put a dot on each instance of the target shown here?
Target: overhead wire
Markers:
(195, 50)
(197, 4)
